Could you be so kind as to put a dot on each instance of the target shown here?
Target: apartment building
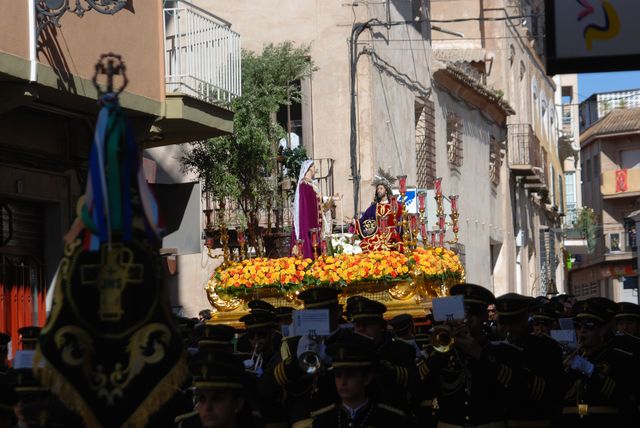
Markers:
(610, 158)
(508, 34)
(48, 111)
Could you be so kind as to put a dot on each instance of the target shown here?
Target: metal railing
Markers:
(202, 54)
(524, 147)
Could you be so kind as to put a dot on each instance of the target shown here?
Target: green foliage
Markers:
(242, 165)
(293, 159)
(206, 160)
(586, 223)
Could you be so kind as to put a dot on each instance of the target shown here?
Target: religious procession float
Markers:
(391, 255)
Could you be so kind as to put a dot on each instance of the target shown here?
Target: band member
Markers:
(536, 396)
(219, 382)
(295, 387)
(353, 361)
(596, 382)
(628, 319)
(472, 377)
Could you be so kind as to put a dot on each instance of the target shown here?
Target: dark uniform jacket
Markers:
(370, 416)
(602, 399)
(470, 391)
(537, 379)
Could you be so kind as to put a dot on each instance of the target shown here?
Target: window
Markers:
(425, 144)
(588, 169)
(523, 70)
(596, 167)
(552, 187)
(570, 192)
(454, 140)
(630, 159)
(495, 161)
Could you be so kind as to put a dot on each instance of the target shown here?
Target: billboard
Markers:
(592, 35)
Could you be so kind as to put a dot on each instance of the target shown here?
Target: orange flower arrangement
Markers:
(291, 274)
(263, 272)
(351, 268)
(437, 262)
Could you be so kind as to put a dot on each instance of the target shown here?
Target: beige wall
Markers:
(76, 46)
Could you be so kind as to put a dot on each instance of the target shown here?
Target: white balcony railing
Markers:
(202, 54)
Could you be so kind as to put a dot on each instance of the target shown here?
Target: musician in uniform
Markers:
(471, 376)
(259, 330)
(291, 390)
(404, 330)
(353, 360)
(628, 319)
(596, 382)
(536, 397)
(544, 318)
(397, 357)
(219, 382)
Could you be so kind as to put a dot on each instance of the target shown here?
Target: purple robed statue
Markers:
(305, 210)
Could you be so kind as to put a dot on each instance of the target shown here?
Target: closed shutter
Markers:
(22, 288)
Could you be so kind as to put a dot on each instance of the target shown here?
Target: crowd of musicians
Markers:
(499, 367)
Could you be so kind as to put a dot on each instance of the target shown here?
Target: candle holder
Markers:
(454, 218)
(324, 247)
(299, 248)
(425, 236)
(224, 237)
(433, 238)
(207, 214)
(242, 240)
(415, 229)
(314, 241)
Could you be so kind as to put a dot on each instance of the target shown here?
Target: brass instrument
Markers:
(309, 359)
(442, 338)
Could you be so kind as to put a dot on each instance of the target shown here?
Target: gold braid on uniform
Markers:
(504, 375)
(423, 369)
(537, 387)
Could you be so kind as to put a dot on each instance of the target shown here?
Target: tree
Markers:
(242, 165)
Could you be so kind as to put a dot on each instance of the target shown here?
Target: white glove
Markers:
(582, 365)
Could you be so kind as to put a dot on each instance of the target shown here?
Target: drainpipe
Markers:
(356, 30)
(33, 56)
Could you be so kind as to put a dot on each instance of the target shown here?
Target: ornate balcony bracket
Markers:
(49, 12)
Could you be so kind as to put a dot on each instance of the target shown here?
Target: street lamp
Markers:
(49, 12)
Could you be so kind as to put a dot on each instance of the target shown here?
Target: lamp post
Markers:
(49, 12)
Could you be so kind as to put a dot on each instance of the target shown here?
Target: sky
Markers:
(590, 83)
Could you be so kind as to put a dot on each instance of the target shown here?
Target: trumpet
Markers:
(442, 339)
(308, 359)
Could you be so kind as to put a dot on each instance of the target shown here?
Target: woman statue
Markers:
(306, 215)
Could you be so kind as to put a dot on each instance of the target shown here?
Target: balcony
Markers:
(575, 241)
(202, 73)
(202, 54)
(621, 183)
(525, 155)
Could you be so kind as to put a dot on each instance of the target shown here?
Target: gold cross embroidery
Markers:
(112, 276)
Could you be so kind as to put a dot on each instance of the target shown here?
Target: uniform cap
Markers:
(473, 293)
(216, 370)
(592, 310)
(214, 334)
(401, 323)
(258, 320)
(319, 297)
(283, 311)
(365, 308)
(512, 304)
(548, 312)
(628, 310)
(260, 306)
(609, 305)
(352, 350)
